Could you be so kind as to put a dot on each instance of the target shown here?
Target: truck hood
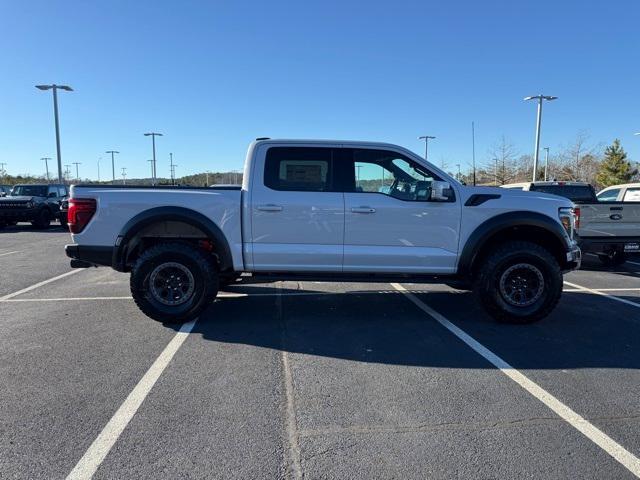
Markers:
(507, 193)
(19, 199)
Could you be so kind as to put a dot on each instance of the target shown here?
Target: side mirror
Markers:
(52, 195)
(441, 191)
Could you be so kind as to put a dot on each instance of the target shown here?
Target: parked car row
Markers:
(39, 204)
(608, 223)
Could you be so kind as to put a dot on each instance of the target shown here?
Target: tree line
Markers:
(577, 161)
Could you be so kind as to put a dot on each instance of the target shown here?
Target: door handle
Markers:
(270, 208)
(615, 208)
(363, 210)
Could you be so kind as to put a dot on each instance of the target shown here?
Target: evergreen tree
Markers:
(615, 168)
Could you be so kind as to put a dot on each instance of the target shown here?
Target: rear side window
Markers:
(575, 193)
(632, 195)
(301, 169)
(609, 195)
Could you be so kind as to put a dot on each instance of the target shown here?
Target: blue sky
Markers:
(212, 76)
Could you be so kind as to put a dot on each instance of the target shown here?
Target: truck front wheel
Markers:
(173, 282)
(519, 282)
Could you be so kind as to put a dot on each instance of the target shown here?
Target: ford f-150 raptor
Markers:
(328, 210)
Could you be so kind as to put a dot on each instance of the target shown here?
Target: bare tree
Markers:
(503, 163)
(578, 161)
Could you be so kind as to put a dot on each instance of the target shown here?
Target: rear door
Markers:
(391, 224)
(297, 216)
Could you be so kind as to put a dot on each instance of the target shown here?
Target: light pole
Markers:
(2, 170)
(540, 99)
(546, 162)
(151, 165)
(77, 175)
(426, 139)
(99, 158)
(113, 165)
(55, 88)
(459, 174)
(153, 136)
(67, 172)
(124, 175)
(46, 164)
(207, 172)
(171, 170)
(473, 151)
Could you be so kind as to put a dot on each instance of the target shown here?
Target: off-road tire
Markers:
(43, 220)
(488, 279)
(202, 270)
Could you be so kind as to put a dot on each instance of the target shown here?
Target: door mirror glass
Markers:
(441, 191)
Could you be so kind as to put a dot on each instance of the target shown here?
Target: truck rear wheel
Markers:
(520, 282)
(173, 282)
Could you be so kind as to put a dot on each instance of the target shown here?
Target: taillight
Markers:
(80, 212)
(576, 212)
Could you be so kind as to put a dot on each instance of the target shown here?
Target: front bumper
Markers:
(18, 214)
(574, 257)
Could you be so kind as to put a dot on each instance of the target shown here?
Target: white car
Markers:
(328, 210)
(628, 192)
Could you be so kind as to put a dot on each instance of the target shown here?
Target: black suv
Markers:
(38, 204)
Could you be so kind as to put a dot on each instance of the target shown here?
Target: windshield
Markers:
(575, 193)
(29, 191)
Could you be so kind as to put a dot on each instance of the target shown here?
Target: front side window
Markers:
(298, 169)
(609, 195)
(389, 173)
(29, 191)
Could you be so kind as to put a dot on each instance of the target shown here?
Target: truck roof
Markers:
(316, 141)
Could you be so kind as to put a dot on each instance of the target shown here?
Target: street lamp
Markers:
(426, 139)
(55, 88)
(124, 175)
(77, 175)
(113, 165)
(46, 164)
(546, 162)
(153, 136)
(540, 99)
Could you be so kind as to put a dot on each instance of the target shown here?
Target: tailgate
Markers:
(610, 219)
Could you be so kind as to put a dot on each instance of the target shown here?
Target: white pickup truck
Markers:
(332, 211)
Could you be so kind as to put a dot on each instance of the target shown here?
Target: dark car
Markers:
(38, 204)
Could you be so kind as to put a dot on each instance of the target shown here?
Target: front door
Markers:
(297, 216)
(391, 223)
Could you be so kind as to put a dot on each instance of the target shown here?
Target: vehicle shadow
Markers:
(385, 327)
(55, 227)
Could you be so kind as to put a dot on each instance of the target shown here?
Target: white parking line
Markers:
(603, 294)
(100, 447)
(37, 285)
(70, 299)
(597, 436)
(9, 253)
(603, 289)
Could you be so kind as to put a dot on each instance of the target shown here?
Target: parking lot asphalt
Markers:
(311, 380)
